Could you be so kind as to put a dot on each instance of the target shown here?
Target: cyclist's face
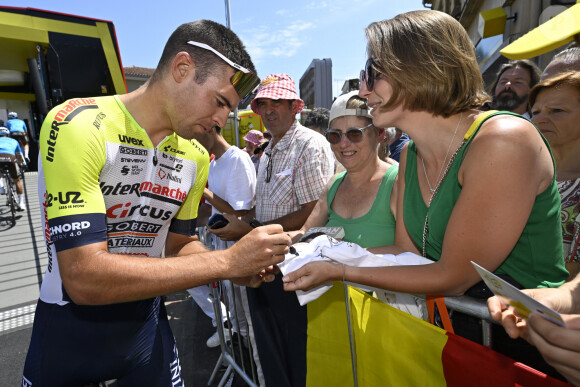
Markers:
(202, 107)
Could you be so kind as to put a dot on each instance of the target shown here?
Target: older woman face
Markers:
(556, 112)
(251, 147)
(349, 152)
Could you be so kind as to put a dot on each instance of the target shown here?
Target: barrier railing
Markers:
(476, 308)
(235, 362)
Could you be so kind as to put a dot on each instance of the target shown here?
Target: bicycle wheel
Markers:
(11, 196)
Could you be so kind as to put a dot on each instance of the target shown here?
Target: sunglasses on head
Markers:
(368, 74)
(244, 81)
(353, 135)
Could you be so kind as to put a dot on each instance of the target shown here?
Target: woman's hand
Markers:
(311, 275)
(558, 299)
(514, 325)
(254, 281)
(559, 346)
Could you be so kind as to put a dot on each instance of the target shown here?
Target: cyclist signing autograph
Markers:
(120, 182)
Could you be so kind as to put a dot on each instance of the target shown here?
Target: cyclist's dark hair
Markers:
(217, 36)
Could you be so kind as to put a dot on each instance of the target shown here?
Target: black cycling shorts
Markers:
(74, 345)
(21, 137)
(9, 160)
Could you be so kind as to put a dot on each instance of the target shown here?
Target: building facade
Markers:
(520, 17)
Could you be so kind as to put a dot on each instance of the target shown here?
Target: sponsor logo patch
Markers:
(70, 199)
(168, 175)
(120, 211)
(65, 230)
(130, 140)
(132, 160)
(171, 149)
(132, 151)
(132, 241)
(63, 117)
(133, 226)
(147, 189)
(177, 167)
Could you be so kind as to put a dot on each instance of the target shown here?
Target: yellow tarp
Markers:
(392, 348)
(552, 34)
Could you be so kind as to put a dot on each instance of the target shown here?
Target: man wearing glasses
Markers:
(119, 184)
(293, 172)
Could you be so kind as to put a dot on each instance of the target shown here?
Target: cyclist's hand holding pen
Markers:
(256, 223)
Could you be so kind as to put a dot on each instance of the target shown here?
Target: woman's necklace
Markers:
(439, 181)
(433, 190)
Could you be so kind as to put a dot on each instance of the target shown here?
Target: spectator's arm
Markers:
(220, 204)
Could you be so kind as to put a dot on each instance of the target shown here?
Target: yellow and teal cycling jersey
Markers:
(101, 179)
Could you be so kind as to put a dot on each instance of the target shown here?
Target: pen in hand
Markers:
(256, 223)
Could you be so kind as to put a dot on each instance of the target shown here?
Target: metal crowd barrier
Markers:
(476, 308)
(235, 361)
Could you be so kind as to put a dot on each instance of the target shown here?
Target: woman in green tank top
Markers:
(359, 199)
(471, 188)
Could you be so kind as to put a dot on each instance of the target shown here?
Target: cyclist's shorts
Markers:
(21, 137)
(9, 161)
(74, 345)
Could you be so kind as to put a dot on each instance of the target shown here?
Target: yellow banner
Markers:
(392, 348)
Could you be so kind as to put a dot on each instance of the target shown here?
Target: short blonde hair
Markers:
(429, 60)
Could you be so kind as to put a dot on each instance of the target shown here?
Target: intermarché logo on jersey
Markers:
(155, 191)
(64, 116)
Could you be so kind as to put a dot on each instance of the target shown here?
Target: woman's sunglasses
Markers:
(353, 135)
(369, 73)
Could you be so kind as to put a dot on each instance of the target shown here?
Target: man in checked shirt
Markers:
(293, 172)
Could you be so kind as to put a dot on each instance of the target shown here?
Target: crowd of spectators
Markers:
(441, 169)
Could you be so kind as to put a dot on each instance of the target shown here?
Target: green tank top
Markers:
(376, 227)
(537, 259)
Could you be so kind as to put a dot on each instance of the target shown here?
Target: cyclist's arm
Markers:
(178, 244)
(93, 276)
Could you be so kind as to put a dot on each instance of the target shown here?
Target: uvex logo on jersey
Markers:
(131, 140)
(148, 189)
(63, 117)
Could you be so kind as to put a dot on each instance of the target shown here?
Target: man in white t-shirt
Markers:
(231, 188)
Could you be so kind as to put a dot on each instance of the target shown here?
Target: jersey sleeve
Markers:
(73, 153)
(185, 221)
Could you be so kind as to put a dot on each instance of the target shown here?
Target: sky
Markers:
(281, 37)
